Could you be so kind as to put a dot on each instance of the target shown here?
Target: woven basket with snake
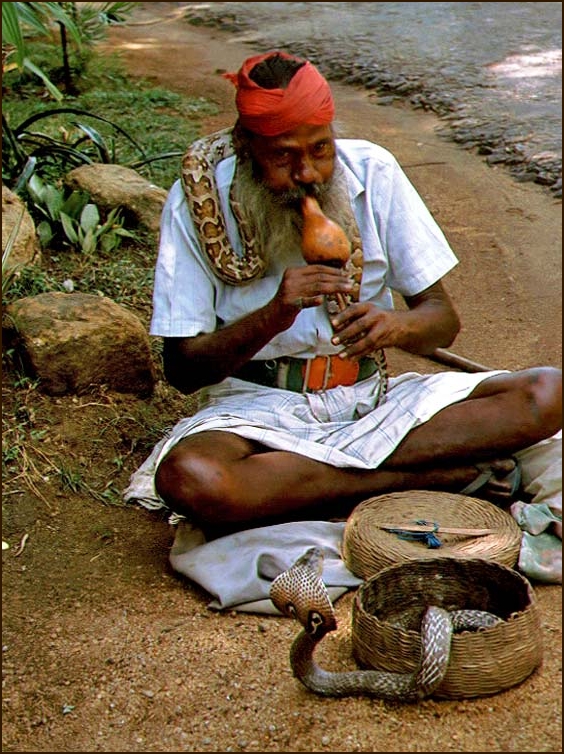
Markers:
(387, 611)
(383, 531)
(452, 620)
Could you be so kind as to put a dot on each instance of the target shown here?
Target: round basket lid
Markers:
(384, 530)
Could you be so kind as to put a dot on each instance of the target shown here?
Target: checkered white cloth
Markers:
(339, 426)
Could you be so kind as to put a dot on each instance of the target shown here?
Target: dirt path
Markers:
(105, 649)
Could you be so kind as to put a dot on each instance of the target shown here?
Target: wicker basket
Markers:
(368, 547)
(481, 663)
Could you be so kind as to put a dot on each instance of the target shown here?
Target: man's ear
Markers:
(241, 138)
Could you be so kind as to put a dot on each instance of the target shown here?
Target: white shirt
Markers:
(404, 250)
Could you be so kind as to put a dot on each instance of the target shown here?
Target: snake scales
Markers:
(200, 190)
(300, 593)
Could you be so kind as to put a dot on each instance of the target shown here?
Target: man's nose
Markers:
(305, 172)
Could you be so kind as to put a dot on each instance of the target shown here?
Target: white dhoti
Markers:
(343, 428)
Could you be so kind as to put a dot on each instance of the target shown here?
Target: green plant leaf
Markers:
(111, 220)
(12, 151)
(68, 155)
(113, 215)
(51, 88)
(25, 174)
(48, 199)
(45, 233)
(97, 139)
(75, 203)
(53, 199)
(89, 218)
(109, 242)
(56, 11)
(12, 32)
(36, 189)
(155, 158)
(24, 125)
(69, 228)
(124, 232)
(88, 243)
(27, 15)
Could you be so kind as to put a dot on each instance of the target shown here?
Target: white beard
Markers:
(275, 222)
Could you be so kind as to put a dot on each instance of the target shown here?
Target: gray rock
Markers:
(74, 341)
(26, 249)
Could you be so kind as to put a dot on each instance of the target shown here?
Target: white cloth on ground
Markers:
(238, 569)
(540, 557)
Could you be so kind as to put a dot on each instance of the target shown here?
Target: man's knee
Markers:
(544, 392)
(193, 483)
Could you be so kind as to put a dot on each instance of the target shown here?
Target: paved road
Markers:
(492, 70)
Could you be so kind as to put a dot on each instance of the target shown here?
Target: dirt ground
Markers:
(104, 647)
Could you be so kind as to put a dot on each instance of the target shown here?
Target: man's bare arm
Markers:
(205, 359)
(430, 322)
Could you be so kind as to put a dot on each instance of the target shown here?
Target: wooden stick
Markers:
(428, 528)
(450, 359)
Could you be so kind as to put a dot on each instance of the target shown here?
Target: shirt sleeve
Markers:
(184, 290)
(417, 251)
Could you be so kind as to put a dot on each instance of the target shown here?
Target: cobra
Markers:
(300, 593)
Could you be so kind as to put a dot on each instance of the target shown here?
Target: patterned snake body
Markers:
(200, 189)
(300, 593)
(202, 198)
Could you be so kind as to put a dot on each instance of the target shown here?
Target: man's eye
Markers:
(321, 149)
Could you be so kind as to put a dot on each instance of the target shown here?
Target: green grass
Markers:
(160, 121)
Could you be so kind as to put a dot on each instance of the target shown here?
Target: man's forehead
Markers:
(297, 137)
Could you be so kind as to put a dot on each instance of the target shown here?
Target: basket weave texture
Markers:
(481, 663)
(367, 548)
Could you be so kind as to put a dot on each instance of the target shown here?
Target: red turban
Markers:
(271, 112)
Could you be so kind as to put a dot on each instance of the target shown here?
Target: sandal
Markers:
(488, 473)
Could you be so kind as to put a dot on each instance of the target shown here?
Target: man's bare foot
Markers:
(498, 481)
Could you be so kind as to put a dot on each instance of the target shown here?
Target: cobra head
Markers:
(300, 593)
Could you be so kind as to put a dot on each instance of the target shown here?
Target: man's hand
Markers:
(363, 327)
(430, 323)
(305, 287)
(205, 359)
